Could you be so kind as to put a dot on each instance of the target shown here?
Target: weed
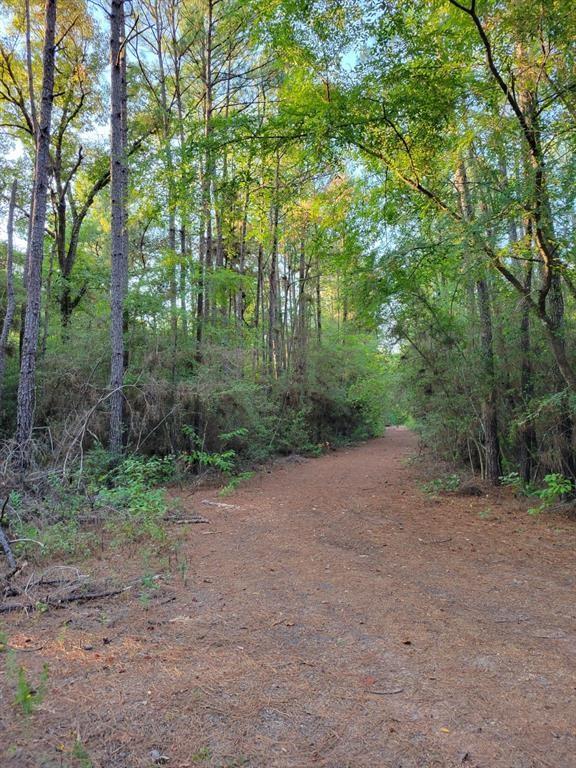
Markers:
(80, 753)
(234, 482)
(439, 484)
(225, 437)
(183, 568)
(15, 500)
(28, 696)
(149, 581)
(204, 753)
(556, 486)
(138, 512)
(235, 762)
(513, 480)
(149, 584)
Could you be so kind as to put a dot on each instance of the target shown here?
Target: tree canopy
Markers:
(314, 217)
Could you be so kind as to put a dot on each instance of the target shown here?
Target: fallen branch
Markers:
(387, 693)
(220, 504)
(512, 621)
(32, 541)
(185, 520)
(435, 541)
(57, 602)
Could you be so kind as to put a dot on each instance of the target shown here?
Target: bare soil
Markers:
(332, 615)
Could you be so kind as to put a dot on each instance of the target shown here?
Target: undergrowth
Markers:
(119, 502)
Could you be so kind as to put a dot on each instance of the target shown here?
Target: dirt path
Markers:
(332, 616)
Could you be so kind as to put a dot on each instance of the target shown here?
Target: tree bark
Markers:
(527, 433)
(273, 330)
(25, 406)
(119, 267)
(489, 411)
(489, 416)
(10, 298)
(301, 315)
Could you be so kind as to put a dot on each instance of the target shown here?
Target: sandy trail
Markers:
(332, 616)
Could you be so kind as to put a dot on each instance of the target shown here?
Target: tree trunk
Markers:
(489, 417)
(169, 168)
(318, 302)
(527, 433)
(208, 174)
(240, 298)
(273, 330)
(182, 281)
(47, 300)
(301, 315)
(25, 406)
(565, 427)
(550, 290)
(118, 221)
(10, 299)
(489, 412)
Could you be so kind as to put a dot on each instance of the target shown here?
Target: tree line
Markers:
(184, 259)
(311, 216)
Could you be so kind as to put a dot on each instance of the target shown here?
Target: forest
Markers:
(237, 235)
(288, 223)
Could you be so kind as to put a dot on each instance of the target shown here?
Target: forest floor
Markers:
(331, 615)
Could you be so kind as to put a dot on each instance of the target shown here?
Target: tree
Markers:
(119, 242)
(10, 298)
(26, 395)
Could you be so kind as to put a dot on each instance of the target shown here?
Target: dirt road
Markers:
(332, 615)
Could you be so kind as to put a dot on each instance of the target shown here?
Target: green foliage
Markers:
(80, 753)
(204, 753)
(333, 286)
(149, 585)
(136, 512)
(234, 482)
(137, 506)
(556, 487)
(441, 484)
(126, 497)
(513, 480)
(220, 460)
(28, 696)
(63, 538)
(144, 471)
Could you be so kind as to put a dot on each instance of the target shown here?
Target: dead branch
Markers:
(58, 602)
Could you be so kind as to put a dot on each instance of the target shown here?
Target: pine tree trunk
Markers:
(527, 433)
(10, 299)
(118, 222)
(489, 412)
(182, 281)
(26, 387)
(318, 302)
(301, 316)
(489, 417)
(169, 168)
(273, 319)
